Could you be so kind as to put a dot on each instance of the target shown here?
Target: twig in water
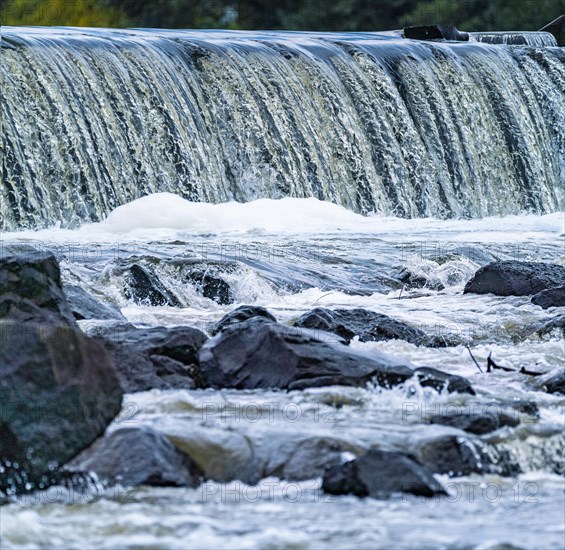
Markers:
(491, 363)
(523, 370)
(473, 358)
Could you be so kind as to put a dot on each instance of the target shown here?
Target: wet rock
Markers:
(211, 287)
(300, 458)
(439, 380)
(86, 307)
(261, 354)
(478, 424)
(31, 289)
(368, 325)
(379, 474)
(554, 382)
(515, 278)
(240, 314)
(460, 456)
(58, 392)
(548, 326)
(417, 280)
(142, 285)
(138, 456)
(436, 32)
(157, 357)
(552, 297)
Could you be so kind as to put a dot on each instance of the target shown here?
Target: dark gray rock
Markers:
(86, 307)
(142, 285)
(211, 287)
(379, 474)
(58, 392)
(368, 325)
(478, 424)
(439, 380)
(515, 278)
(548, 326)
(436, 32)
(461, 456)
(138, 456)
(258, 353)
(554, 382)
(240, 314)
(413, 280)
(552, 297)
(157, 357)
(31, 289)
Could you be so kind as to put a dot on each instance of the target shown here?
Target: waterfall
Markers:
(94, 118)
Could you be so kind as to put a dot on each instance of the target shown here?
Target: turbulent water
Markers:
(293, 255)
(345, 153)
(93, 119)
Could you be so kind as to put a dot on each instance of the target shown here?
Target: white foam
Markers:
(166, 215)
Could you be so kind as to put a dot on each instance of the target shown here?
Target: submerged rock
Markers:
(143, 286)
(240, 314)
(552, 297)
(58, 392)
(30, 283)
(258, 353)
(439, 380)
(154, 358)
(513, 278)
(86, 307)
(138, 456)
(379, 474)
(553, 382)
(369, 326)
(436, 32)
(478, 424)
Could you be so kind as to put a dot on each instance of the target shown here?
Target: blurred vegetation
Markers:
(338, 15)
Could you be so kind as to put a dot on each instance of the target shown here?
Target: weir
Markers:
(95, 118)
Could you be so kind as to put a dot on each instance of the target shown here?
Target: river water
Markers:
(293, 255)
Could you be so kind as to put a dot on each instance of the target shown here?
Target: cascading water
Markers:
(92, 119)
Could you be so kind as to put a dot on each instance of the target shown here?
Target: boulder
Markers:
(258, 353)
(58, 391)
(478, 424)
(553, 382)
(552, 297)
(138, 456)
(379, 474)
(455, 455)
(548, 326)
(368, 325)
(142, 285)
(240, 314)
(436, 32)
(86, 307)
(153, 358)
(211, 287)
(30, 282)
(513, 278)
(439, 380)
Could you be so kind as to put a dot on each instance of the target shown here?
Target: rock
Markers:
(58, 390)
(306, 457)
(86, 307)
(30, 282)
(454, 455)
(515, 278)
(154, 358)
(143, 286)
(552, 297)
(379, 474)
(261, 354)
(138, 456)
(548, 326)
(240, 314)
(368, 325)
(415, 280)
(478, 424)
(557, 29)
(553, 382)
(436, 32)
(439, 380)
(211, 287)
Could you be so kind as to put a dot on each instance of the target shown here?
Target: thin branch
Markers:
(473, 358)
